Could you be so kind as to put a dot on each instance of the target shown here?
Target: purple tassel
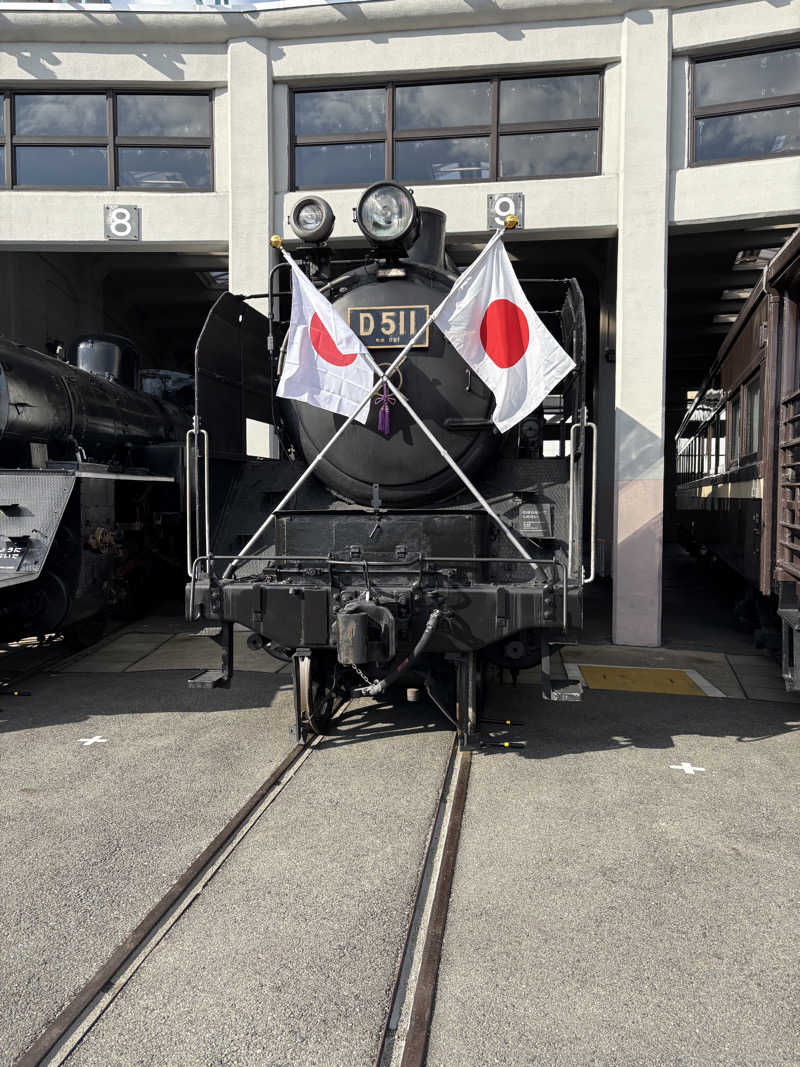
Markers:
(384, 400)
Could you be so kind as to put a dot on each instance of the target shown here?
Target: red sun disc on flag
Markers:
(325, 346)
(504, 333)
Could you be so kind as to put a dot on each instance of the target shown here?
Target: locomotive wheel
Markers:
(316, 700)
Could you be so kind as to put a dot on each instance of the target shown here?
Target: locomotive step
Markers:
(210, 679)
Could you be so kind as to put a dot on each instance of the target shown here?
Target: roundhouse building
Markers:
(149, 149)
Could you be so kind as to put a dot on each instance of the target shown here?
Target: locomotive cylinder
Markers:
(45, 400)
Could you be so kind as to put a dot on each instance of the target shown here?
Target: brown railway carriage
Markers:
(738, 452)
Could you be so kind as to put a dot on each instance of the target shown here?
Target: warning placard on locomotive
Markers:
(389, 327)
(536, 520)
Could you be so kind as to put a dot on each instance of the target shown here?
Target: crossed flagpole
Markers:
(384, 378)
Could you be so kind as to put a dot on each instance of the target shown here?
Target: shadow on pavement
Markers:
(59, 699)
(605, 721)
(370, 721)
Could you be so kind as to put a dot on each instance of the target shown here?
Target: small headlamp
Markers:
(388, 215)
(312, 219)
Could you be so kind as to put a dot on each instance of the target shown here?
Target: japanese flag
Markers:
(325, 364)
(489, 322)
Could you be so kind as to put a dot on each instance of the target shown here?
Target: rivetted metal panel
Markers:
(32, 504)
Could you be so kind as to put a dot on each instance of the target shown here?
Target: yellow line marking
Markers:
(640, 680)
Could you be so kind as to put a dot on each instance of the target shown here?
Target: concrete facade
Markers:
(248, 59)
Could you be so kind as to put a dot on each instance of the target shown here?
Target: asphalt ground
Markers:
(93, 835)
(608, 909)
(289, 954)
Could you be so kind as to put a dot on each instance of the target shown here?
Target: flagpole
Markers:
(384, 376)
(487, 507)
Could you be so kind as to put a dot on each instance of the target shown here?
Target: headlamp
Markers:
(312, 219)
(387, 215)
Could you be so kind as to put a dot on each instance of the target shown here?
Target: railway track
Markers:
(403, 1037)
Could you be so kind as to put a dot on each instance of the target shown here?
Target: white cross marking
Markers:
(96, 740)
(687, 767)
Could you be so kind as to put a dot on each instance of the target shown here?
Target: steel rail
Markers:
(416, 1042)
(416, 910)
(97, 985)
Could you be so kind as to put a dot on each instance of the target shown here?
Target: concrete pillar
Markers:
(641, 328)
(250, 216)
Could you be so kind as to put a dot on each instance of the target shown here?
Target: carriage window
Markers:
(108, 140)
(449, 131)
(753, 415)
(733, 448)
(746, 106)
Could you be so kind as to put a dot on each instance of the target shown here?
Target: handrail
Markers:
(593, 528)
(192, 436)
(572, 430)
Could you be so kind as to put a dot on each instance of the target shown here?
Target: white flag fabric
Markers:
(326, 364)
(488, 320)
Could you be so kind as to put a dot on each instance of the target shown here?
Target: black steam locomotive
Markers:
(382, 568)
(91, 486)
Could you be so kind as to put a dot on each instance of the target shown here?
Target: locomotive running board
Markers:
(221, 679)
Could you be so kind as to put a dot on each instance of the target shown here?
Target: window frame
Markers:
(741, 107)
(110, 141)
(734, 402)
(747, 389)
(493, 130)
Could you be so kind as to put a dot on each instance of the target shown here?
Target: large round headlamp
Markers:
(387, 215)
(312, 219)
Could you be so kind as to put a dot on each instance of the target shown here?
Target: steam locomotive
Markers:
(382, 570)
(91, 486)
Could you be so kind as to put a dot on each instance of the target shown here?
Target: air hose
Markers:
(408, 663)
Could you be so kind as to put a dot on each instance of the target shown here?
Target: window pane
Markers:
(726, 81)
(755, 133)
(458, 159)
(2, 165)
(339, 164)
(433, 107)
(734, 437)
(535, 155)
(753, 415)
(83, 168)
(165, 168)
(340, 111)
(62, 115)
(169, 115)
(574, 96)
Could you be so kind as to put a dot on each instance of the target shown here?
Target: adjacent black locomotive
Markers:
(383, 568)
(91, 490)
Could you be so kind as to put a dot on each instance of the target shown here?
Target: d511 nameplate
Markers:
(389, 327)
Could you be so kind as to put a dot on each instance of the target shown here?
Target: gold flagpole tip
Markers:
(511, 222)
(276, 240)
